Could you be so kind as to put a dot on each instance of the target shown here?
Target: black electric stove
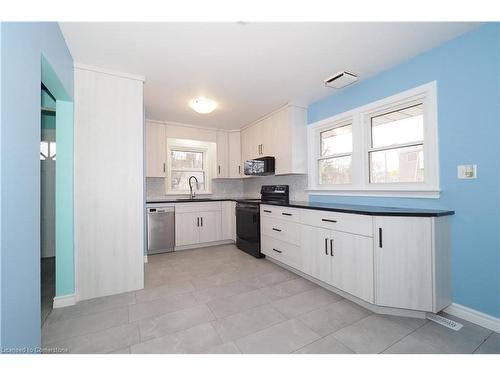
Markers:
(248, 217)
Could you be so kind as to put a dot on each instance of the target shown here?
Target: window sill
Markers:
(388, 193)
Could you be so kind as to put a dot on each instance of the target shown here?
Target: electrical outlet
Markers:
(467, 172)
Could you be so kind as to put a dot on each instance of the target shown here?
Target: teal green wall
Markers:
(48, 120)
(65, 269)
(46, 101)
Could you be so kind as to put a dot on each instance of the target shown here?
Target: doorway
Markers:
(47, 202)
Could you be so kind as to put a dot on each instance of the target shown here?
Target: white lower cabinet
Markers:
(229, 220)
(186, 228)
(210, 226)
(316, 258)
(412, 263)
(198, 223)
(400, 262)
(352, 264)
(284, 252)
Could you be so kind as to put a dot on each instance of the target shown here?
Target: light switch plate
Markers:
(467, 172)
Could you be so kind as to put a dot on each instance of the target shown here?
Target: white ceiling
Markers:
(250, 69)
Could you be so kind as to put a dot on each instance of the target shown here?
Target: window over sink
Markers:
(386, 148)
(186, 158)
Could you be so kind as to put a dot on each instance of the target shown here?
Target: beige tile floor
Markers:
(221, 300)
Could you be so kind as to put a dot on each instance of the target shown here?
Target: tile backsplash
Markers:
(298, 184)
(234, 188)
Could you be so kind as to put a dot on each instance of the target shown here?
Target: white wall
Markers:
(109, 220)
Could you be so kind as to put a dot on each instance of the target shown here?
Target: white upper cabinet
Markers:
(282, 134)
(222, 154)
(155, 150)
(235, 168)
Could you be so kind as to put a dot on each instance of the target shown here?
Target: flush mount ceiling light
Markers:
(203, 105)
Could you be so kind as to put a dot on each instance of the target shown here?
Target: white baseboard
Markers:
(63, 301)
(201, 245)
(474, 316)
(145, 258)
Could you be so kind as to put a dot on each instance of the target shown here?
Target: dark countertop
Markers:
(335, 207)
(185, 200)
(366, 210)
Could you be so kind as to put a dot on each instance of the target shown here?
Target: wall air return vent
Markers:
(341, 79)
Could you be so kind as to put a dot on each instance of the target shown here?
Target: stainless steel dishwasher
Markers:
(161, 229)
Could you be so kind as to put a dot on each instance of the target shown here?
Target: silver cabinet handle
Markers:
(201, 220)
(197, 221)
(277, 230)
(164, 168)
(278, 251)
(219, 169)
(326, 246)
(239, 169)
(331, 247)
(329, 220)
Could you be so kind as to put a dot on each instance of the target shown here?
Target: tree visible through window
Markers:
(335, 159)
(185, 164)
(397, 146)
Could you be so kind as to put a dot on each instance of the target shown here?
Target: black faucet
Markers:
(191, 195)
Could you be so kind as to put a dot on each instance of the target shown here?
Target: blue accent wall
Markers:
(22, 46)
(467, 71)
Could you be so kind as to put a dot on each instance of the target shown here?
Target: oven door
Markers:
(248, 228)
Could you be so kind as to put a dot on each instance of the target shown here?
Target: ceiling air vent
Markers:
(341, 79)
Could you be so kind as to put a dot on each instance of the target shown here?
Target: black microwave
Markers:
(259, 167)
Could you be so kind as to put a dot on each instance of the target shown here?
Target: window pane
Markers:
(52, 150)
(335, 171)
(44, 150)
(398, 127)
(405, 164)
(336, 141)
(179, 180)
(187, 160)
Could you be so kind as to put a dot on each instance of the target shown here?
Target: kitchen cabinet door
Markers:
(352, 264)
(222, 154)
(228, 220)
(186, 228)
(235, 168)
(266, 136)
(316, 259)
(403, 262)
(156, 149)
(210, 226)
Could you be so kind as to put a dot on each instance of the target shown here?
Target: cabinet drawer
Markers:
(351, 223)
(278, 212)
(281, 251)
(283, 230)
(198, 207)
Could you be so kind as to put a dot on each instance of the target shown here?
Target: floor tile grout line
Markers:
(408, 334)
(476, 349)
(53, 343)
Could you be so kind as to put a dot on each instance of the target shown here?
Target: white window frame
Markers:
(207, 148)
(360, 118)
